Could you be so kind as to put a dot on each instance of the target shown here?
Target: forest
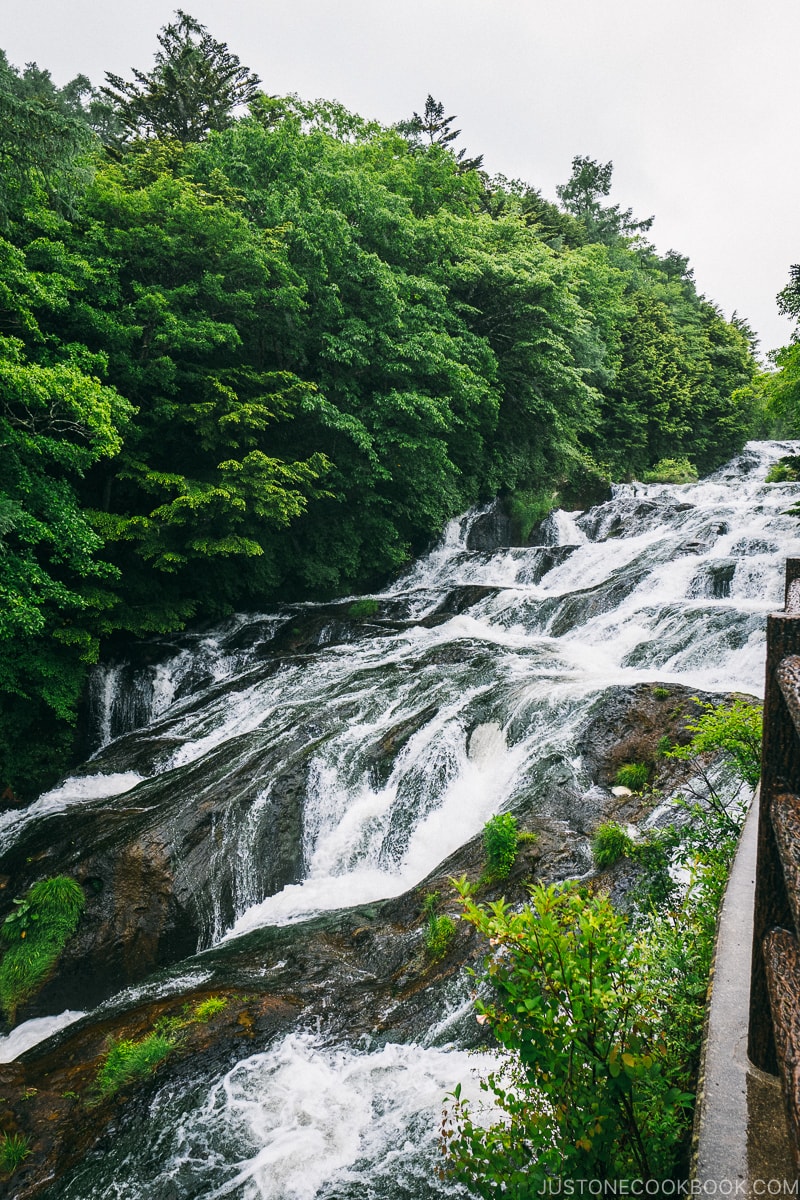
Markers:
(256, 349)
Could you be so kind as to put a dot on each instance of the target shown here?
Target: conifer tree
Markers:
(194, 86)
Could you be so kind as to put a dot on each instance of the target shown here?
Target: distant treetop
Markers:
(194, 86)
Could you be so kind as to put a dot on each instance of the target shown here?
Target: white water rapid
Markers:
(398, 734)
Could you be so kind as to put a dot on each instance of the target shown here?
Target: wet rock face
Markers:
(491, 530)
(619, 516)
(159, 866)
(626, 725)
(365, 968)
(51, 1094)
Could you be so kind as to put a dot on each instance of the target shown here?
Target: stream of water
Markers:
(407, 729)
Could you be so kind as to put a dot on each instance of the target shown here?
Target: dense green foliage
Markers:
(34, 935)
(779, 389)
(599, 1014)
(500, 840)
(252, 355)
(610, 843)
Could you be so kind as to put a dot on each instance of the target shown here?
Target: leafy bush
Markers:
(671, 470)
(439, 934)
(500, 841)
(359, 610)
(661, 693)
(14, 1149)
(527, 508)
(633, 776)
(600, 1016)
(130, 1060)
(440, 930)
(785, 470)
(610, 843)
(35, 934)
(589, 1090)
(733, 729)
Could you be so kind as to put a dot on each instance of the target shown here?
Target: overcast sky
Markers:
(695, 101)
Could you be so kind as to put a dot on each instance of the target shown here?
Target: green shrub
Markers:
(440, 930)
(14, 1149)
(633, 776)
(671, 470)
(785, 470)
(599, 1016)
(610, 843)
(438, 935)
(206, 1009)
(661, 693)
(35, 934)
(527, 837)
(500, 841)
(127, 1061)
(528, 508)
(360, 609)
(733, 729)
(664, 746)
(591, 1092)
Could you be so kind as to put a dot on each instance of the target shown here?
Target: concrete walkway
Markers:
(741, 1141)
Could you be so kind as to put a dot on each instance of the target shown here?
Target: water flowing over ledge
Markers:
(339, 755)
(377, 722)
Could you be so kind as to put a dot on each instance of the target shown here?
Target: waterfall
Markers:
(377, 746)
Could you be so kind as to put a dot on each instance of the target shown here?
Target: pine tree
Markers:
(194, 86)
(434, 126)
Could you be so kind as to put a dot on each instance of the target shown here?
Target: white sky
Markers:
(695, 101)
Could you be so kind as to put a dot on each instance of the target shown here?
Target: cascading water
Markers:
(395, 735)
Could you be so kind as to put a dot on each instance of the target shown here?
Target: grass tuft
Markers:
(207, 1009)
(633, 776)
(127, 1061)
(361, 609)
(610, 843)
(34, 935)
(14, 1149)
(671, 470)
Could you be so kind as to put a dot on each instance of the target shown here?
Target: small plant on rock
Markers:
(661, 693)
(610, 843)
(671, 470)
(35, 934)
(129, 1060)
(14, 1149)
(500, 841)
(441, 929)
(633, 776)
(359, 610)
(209, 1008)
(785, 470)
